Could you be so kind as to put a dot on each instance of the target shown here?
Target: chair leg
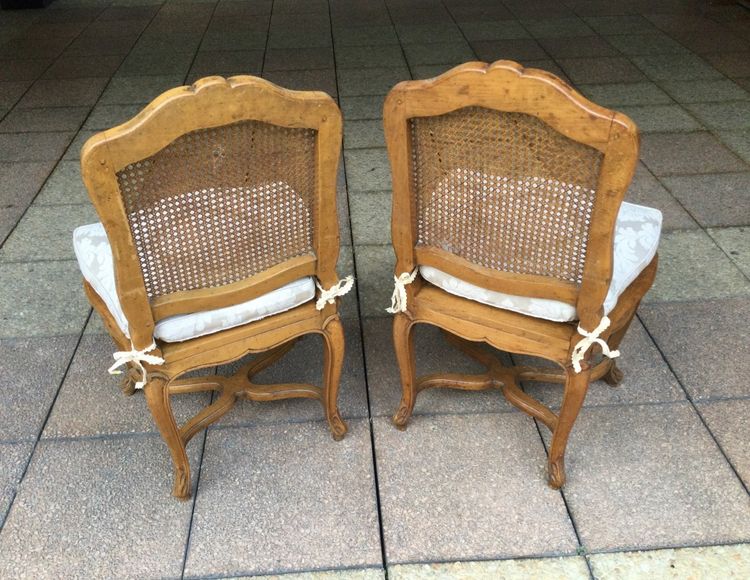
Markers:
(576, 385)
(333, 359)
(403, 342)
(157, 397)
(614, 376)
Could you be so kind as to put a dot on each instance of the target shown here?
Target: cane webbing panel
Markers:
(219, 205)
(504, 191)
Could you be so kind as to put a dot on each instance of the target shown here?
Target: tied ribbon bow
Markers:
(138, 357)
(338, 289)
(398, 299)
(590, 338)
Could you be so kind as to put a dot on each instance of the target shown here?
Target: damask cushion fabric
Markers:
(95, 260)
(636, 239)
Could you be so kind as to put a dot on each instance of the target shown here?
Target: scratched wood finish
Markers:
(508, 87)
(215, 102)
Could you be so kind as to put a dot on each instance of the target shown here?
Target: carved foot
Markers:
(614, 375)
(402, 416)
(337, 426)
(556, 475)
(129, 379)
(181, 488)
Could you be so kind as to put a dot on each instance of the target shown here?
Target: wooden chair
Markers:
(218, 209)
(508, 229)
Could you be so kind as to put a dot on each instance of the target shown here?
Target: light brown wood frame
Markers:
(507, 86)
(213, 102)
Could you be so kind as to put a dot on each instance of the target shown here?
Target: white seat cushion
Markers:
(95, 260)
(636, 240)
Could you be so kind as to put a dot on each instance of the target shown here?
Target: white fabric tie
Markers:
(338, 289)
(138, 357)
(398, 299)
(590, 338)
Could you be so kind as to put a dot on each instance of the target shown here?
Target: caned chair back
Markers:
(217, 193)
(509, 179)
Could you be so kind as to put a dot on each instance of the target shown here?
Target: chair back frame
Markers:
(507, 87)
(211, 102)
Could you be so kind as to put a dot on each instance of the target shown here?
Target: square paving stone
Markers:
(23, 70)
(97, 508)
(371, 217)
(41, 120)
(132, 90)
(647, 376)
(367, 170)
(108, 116)
(646, 44)
(466, 468)
(354, 108)
(371, 81)
(645, 189)
(434, 355)
(145, 63)
(90, 402)
(41, 299)
(677, 67)
(736, 244)
(304, 80)
(11, 91)
(681, 153)
(438, 53)
(732, 64)
(693, 267)
(583, 46)
(723, 116)
(46, 233)
(227, 62)
(32, 370)
(374, 278)
(700, 341)
(697, 91)
(624, 94)
(364, 134)
(569, 567)
(13, 459)
(80, 67)
(19, 183)
(626, 24)
(489, 30)
(703, 562)
(64, 186)
(519, 49)
(654, 118)
(613, 69)
(722, 199)
(365, 574)
(651, 476)
(33, 146)
(557, 27)
(426, 33)
(73, 152)
(738, 142)
(365, 36)
(298, 59)
(63, 93)
(234, 40)
(388, 55)
(284, 498)
(727, 420)
(304, 364)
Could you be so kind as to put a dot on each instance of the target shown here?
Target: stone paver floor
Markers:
(659, 468)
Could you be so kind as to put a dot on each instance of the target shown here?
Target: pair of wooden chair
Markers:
(218, 209)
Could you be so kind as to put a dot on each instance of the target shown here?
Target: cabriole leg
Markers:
(403, 342)
(157, 397)
(333, 359)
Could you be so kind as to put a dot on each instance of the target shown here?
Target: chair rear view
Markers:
(220, 205)
(504, 191)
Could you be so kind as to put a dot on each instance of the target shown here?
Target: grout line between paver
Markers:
(199, 470)
(14, 492)
(371, 429)
(694, 406)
